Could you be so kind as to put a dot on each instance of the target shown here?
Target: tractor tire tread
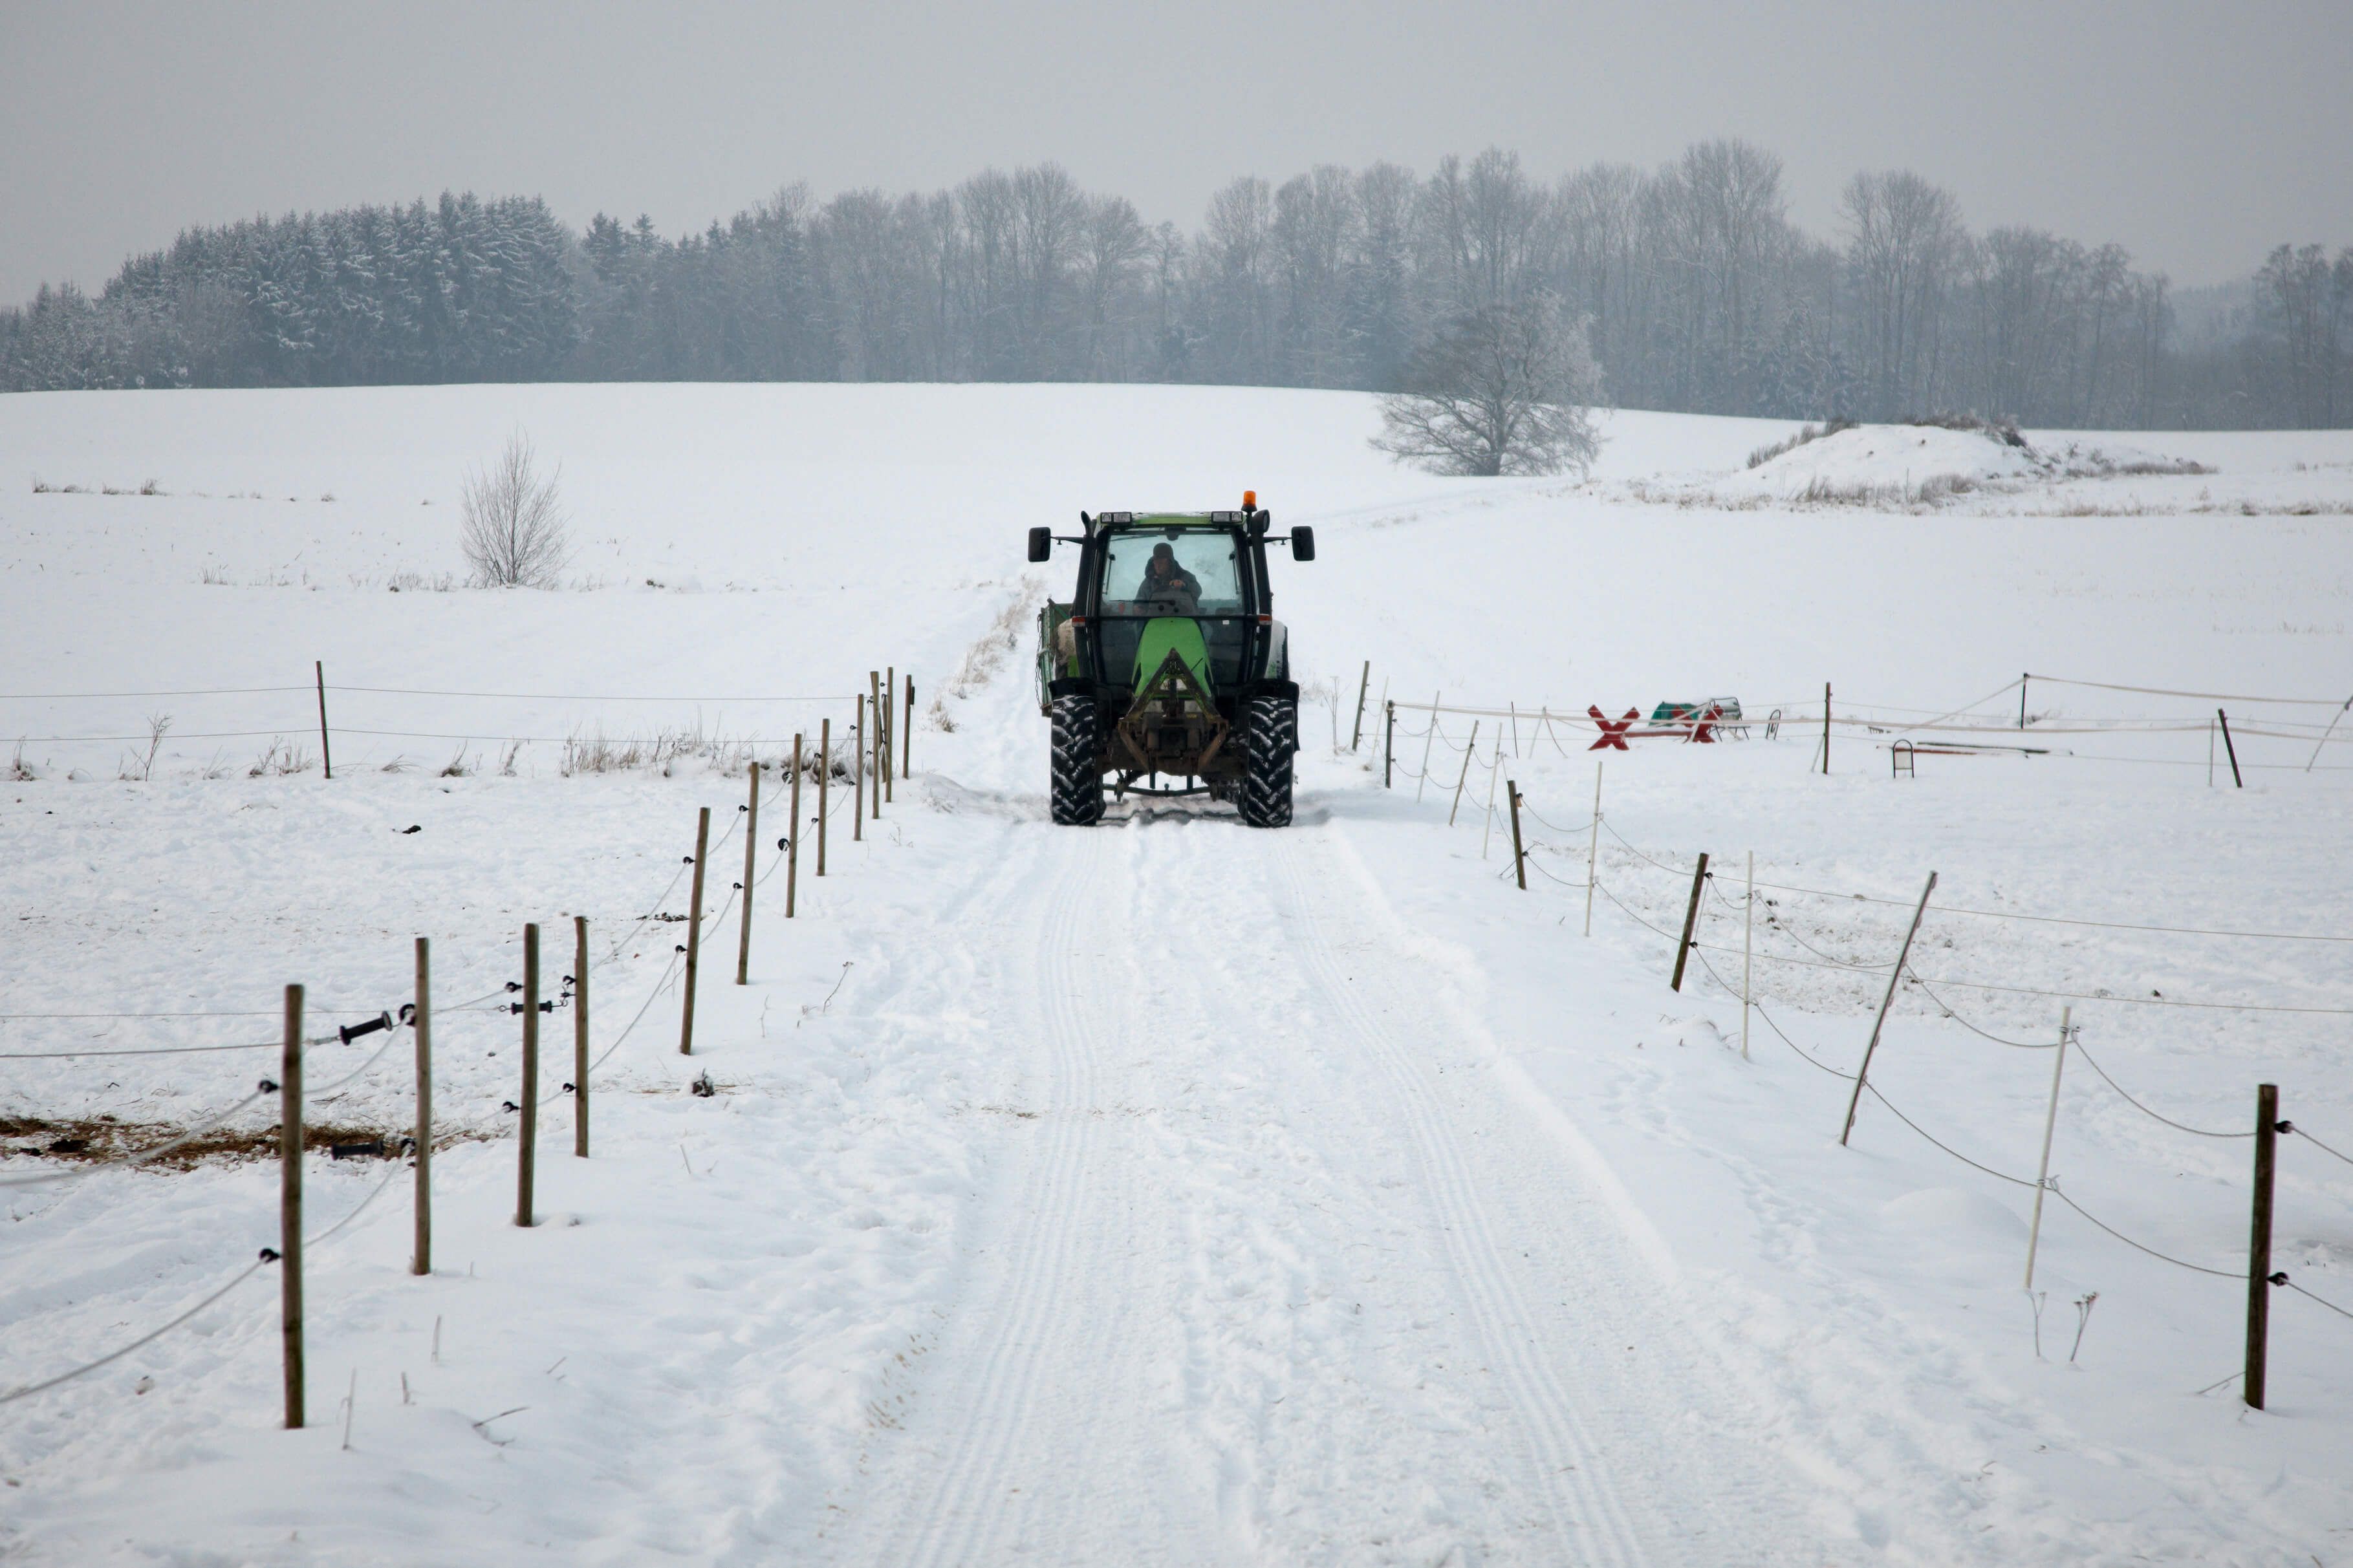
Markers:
(1269, 740)
(1077, 793)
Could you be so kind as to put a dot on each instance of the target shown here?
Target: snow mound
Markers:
(1912, 463)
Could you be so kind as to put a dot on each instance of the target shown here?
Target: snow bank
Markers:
(1904, 464)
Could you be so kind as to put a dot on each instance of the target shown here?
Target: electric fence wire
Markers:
(2324, 1148)
(2145, 1110)
(2051, 1184)
(1958, 1018)
(146, 1156)
(522, 696)
(2322, 1299)
(395, 1169)
(150, 1337)
(392, 1168)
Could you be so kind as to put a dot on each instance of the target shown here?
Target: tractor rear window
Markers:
(1196, 572)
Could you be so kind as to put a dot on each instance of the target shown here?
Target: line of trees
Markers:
(1698, 294)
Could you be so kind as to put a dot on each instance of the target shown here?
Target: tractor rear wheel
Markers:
(1078, 796)
(1270, 737)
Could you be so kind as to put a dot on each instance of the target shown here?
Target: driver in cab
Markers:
(1166, 580)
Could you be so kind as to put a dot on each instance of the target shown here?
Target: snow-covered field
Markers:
(1170, 1192)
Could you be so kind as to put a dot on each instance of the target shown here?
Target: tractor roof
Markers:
(1171, 518)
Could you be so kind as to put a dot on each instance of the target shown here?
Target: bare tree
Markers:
(1905, 242)
(513, 525)
(1507, 389)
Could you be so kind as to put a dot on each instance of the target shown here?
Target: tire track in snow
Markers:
(1040, 1435)
(990, 1405)
(1592, 1518)
(1675, 1461)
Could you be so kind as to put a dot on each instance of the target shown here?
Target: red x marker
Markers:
(1613, 736)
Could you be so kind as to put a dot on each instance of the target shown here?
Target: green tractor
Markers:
(1168, 663)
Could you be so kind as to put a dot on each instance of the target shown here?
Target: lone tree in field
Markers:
(1507, 389)
(512, 528)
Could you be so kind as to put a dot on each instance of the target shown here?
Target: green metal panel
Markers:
(1181, 633)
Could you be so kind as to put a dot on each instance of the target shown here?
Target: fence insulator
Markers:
(350, 1032)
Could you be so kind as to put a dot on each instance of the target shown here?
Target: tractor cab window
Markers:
(1172, 571)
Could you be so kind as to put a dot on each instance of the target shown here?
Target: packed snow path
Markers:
(1283, 1273)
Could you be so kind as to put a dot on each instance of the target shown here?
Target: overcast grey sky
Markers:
(2197, 136)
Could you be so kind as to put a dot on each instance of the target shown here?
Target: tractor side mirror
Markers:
(1303, 543)
(1041, 544)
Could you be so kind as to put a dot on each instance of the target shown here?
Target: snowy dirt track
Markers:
(1167, 1192)
(1403, 1325)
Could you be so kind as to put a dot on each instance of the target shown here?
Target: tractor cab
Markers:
(1166, 643)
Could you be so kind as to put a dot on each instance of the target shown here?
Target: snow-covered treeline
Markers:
(1700, 295)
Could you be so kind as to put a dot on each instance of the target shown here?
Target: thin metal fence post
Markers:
(2049, 1125)
(1356, 736)
(1494, 772)
(1429, 739)
(793, 836)
(1748, 955)
(1593, 850)
(824, 784)
(2232, 750)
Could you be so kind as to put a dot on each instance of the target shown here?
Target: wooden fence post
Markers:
(527, 1146)
(326, 757)
(858, 773)
(2049, 1125)
(695, 932)
(2236, 781)
(1826, 729)
(1356, 736)
(1468, 752)
(823, 782)
(907, 738)
(1388, 740)
(1896, 978)
(1691, 920)
(793, 834)
(2259, 1246)
(1519, 856)
(580, 1035)
(289, 1204)
(890, 731)
(422, 1263)
(751, 850)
